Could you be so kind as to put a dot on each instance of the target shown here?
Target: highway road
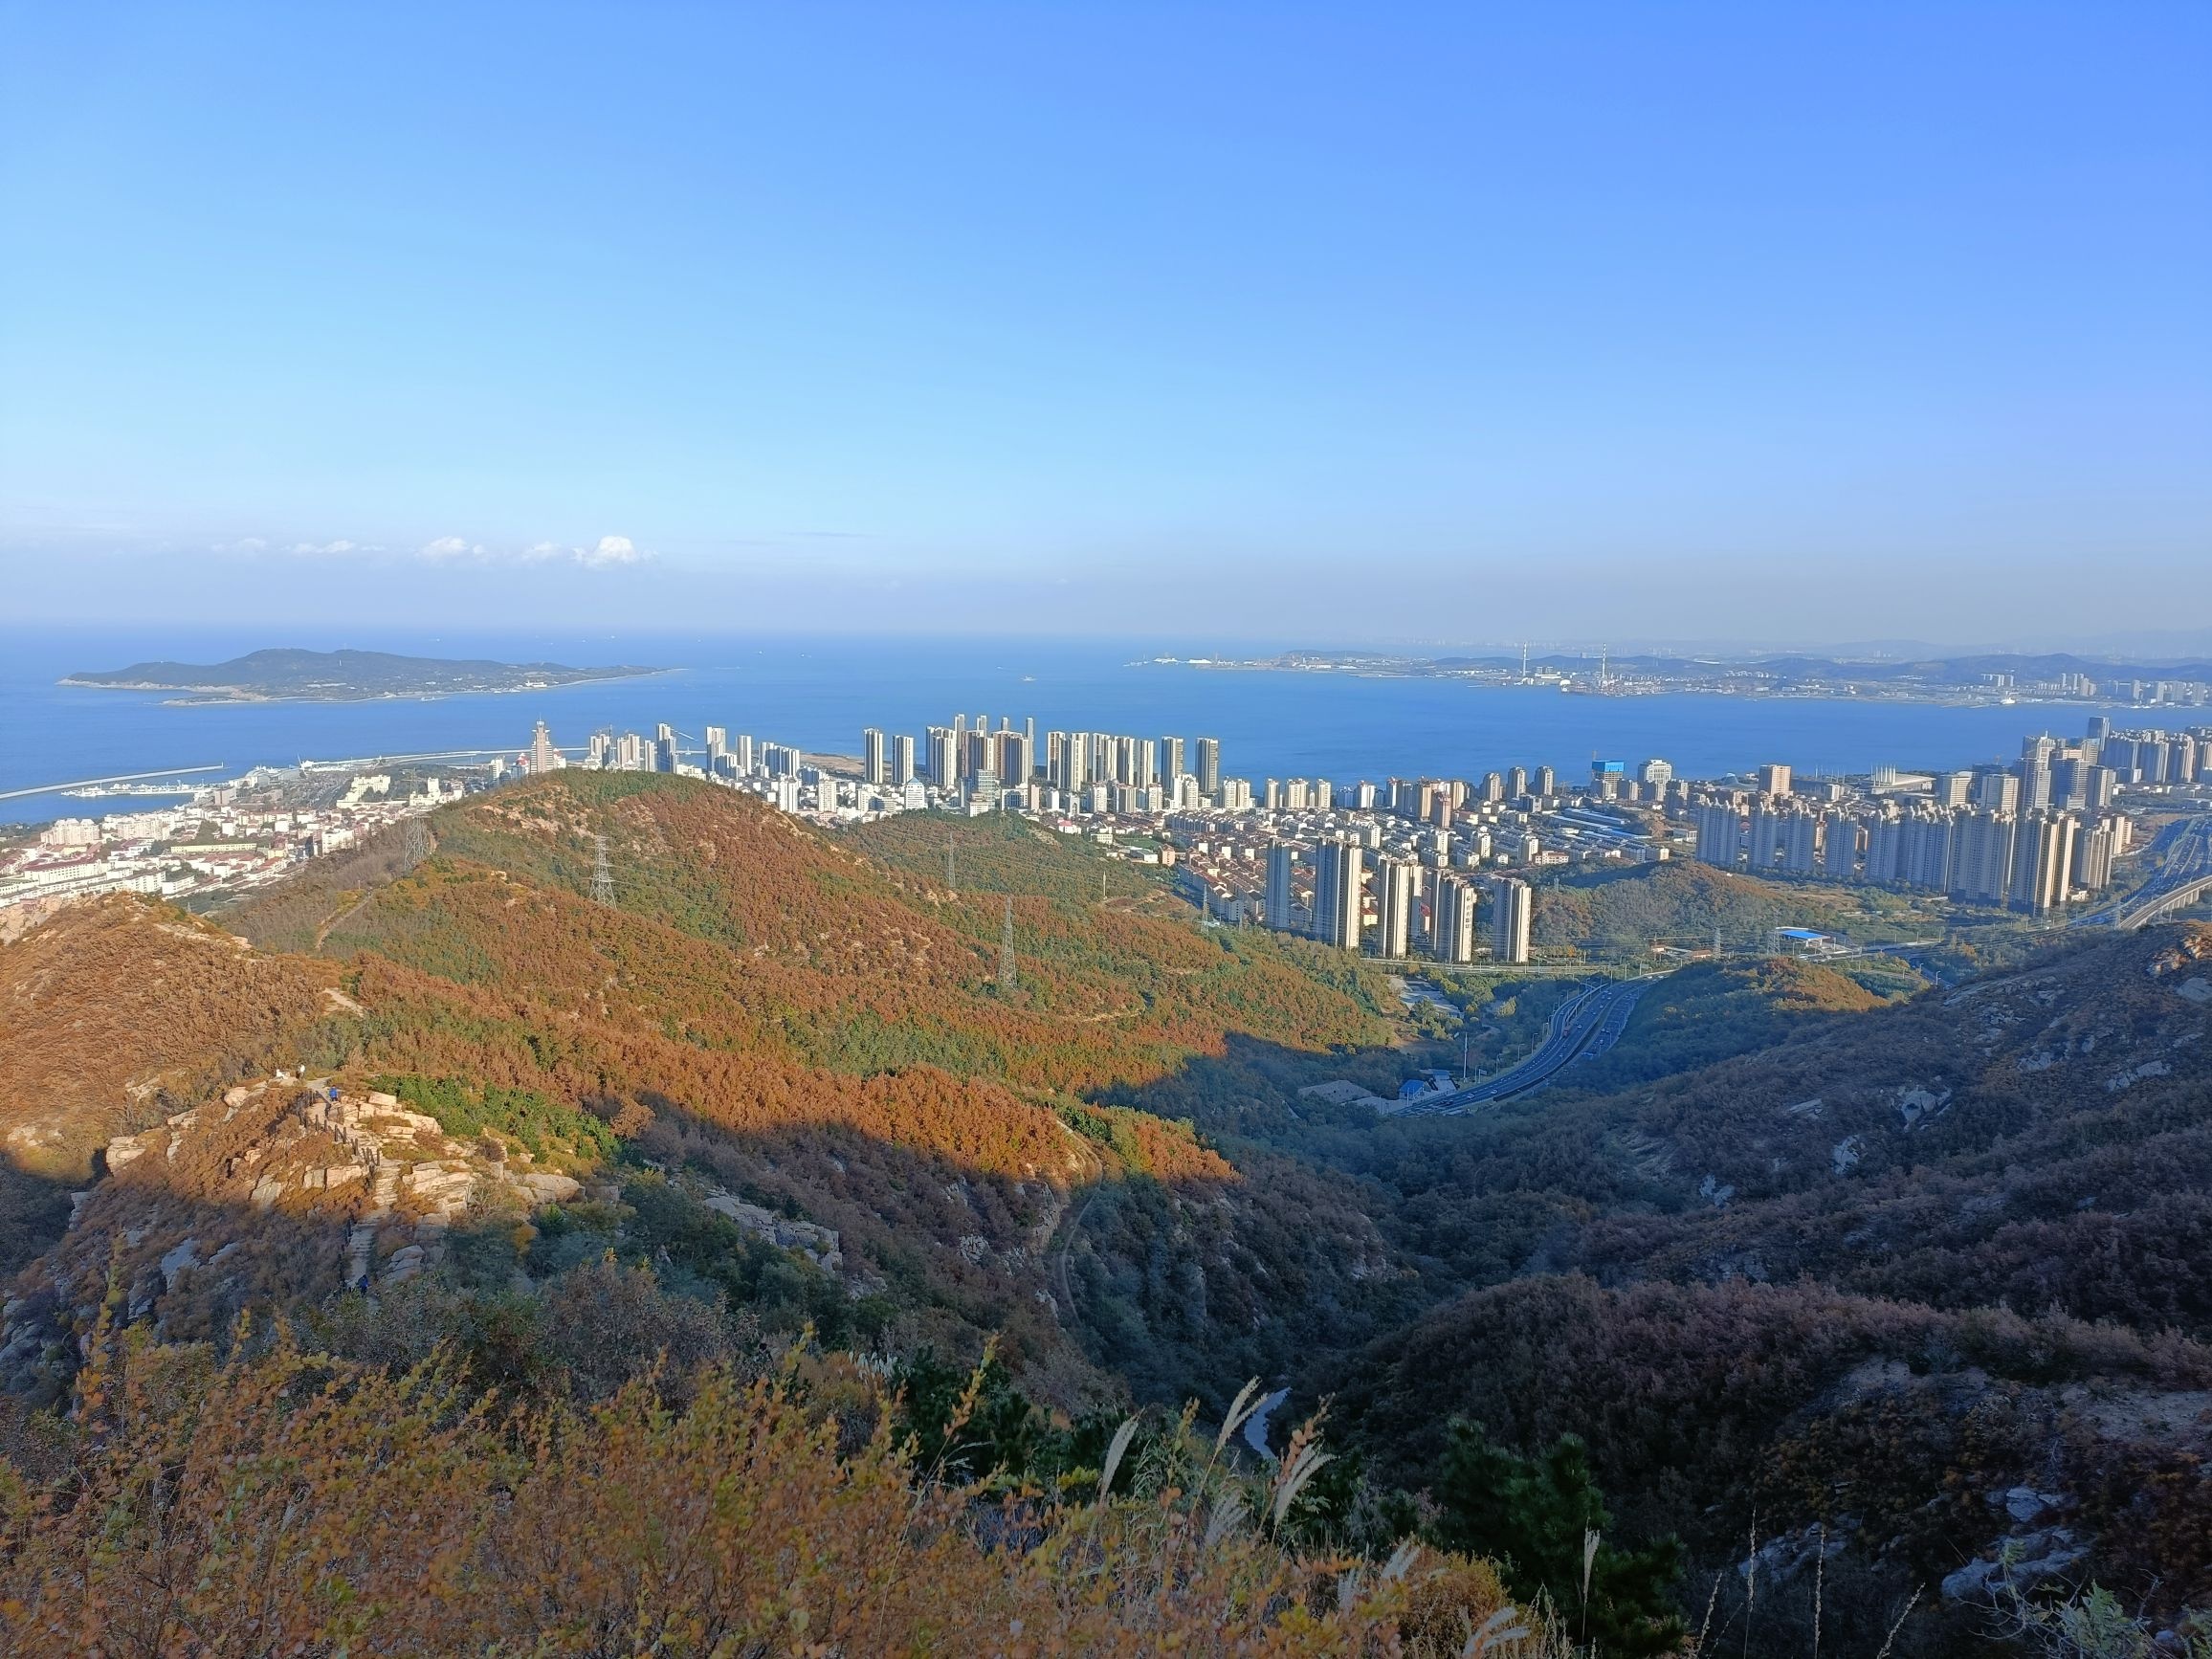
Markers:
(2185, 875)
(1586, 1025)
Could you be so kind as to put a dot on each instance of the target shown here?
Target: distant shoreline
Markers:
(1643, 685)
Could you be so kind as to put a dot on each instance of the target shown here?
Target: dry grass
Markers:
(294, 1504)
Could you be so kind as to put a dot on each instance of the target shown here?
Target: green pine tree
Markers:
(1534, 1517)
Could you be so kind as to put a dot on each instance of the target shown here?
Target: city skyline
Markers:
(1719, 324)
(1414, 868)
(1404, 868)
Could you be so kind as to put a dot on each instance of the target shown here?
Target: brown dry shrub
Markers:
(1447, 1600)
(297, 1504)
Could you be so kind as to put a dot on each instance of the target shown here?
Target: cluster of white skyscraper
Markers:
(778, 772)
(984, 765)
(1335, 913)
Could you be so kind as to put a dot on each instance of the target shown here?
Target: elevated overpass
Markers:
(2184, 877)
(2143, 910)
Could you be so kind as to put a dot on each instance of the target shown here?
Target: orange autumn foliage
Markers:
(738, 928)
(116, 1012)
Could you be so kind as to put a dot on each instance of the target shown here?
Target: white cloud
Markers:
(604, 554)
(608, 552)
(612, 550)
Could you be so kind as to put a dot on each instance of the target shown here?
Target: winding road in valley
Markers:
(1586, 1025)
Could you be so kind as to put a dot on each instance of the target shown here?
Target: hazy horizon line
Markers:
(2141, 650)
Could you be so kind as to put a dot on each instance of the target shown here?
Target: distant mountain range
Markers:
(340, 676)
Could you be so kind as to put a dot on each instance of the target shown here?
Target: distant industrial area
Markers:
(1982, 678)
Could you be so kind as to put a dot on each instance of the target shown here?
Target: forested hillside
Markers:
(824, 1033)
(799, 946)
(1903, 1297)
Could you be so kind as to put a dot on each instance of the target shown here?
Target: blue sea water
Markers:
(818, 693)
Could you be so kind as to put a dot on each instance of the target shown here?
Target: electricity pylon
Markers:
(602, 877)
(1006, 950)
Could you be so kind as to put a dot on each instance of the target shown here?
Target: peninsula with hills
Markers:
(342, 677)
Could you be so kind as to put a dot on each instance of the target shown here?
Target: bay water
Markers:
(818, 693)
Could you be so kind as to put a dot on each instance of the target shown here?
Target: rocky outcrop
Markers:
(818, 1243)
(275, 1189)
(551, 1188)
(2021, 1560)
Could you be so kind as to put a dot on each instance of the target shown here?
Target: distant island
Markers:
(340, 676)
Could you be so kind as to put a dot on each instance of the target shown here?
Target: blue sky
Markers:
(1780, 322)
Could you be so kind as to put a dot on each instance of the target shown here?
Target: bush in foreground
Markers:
(293, 1503)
